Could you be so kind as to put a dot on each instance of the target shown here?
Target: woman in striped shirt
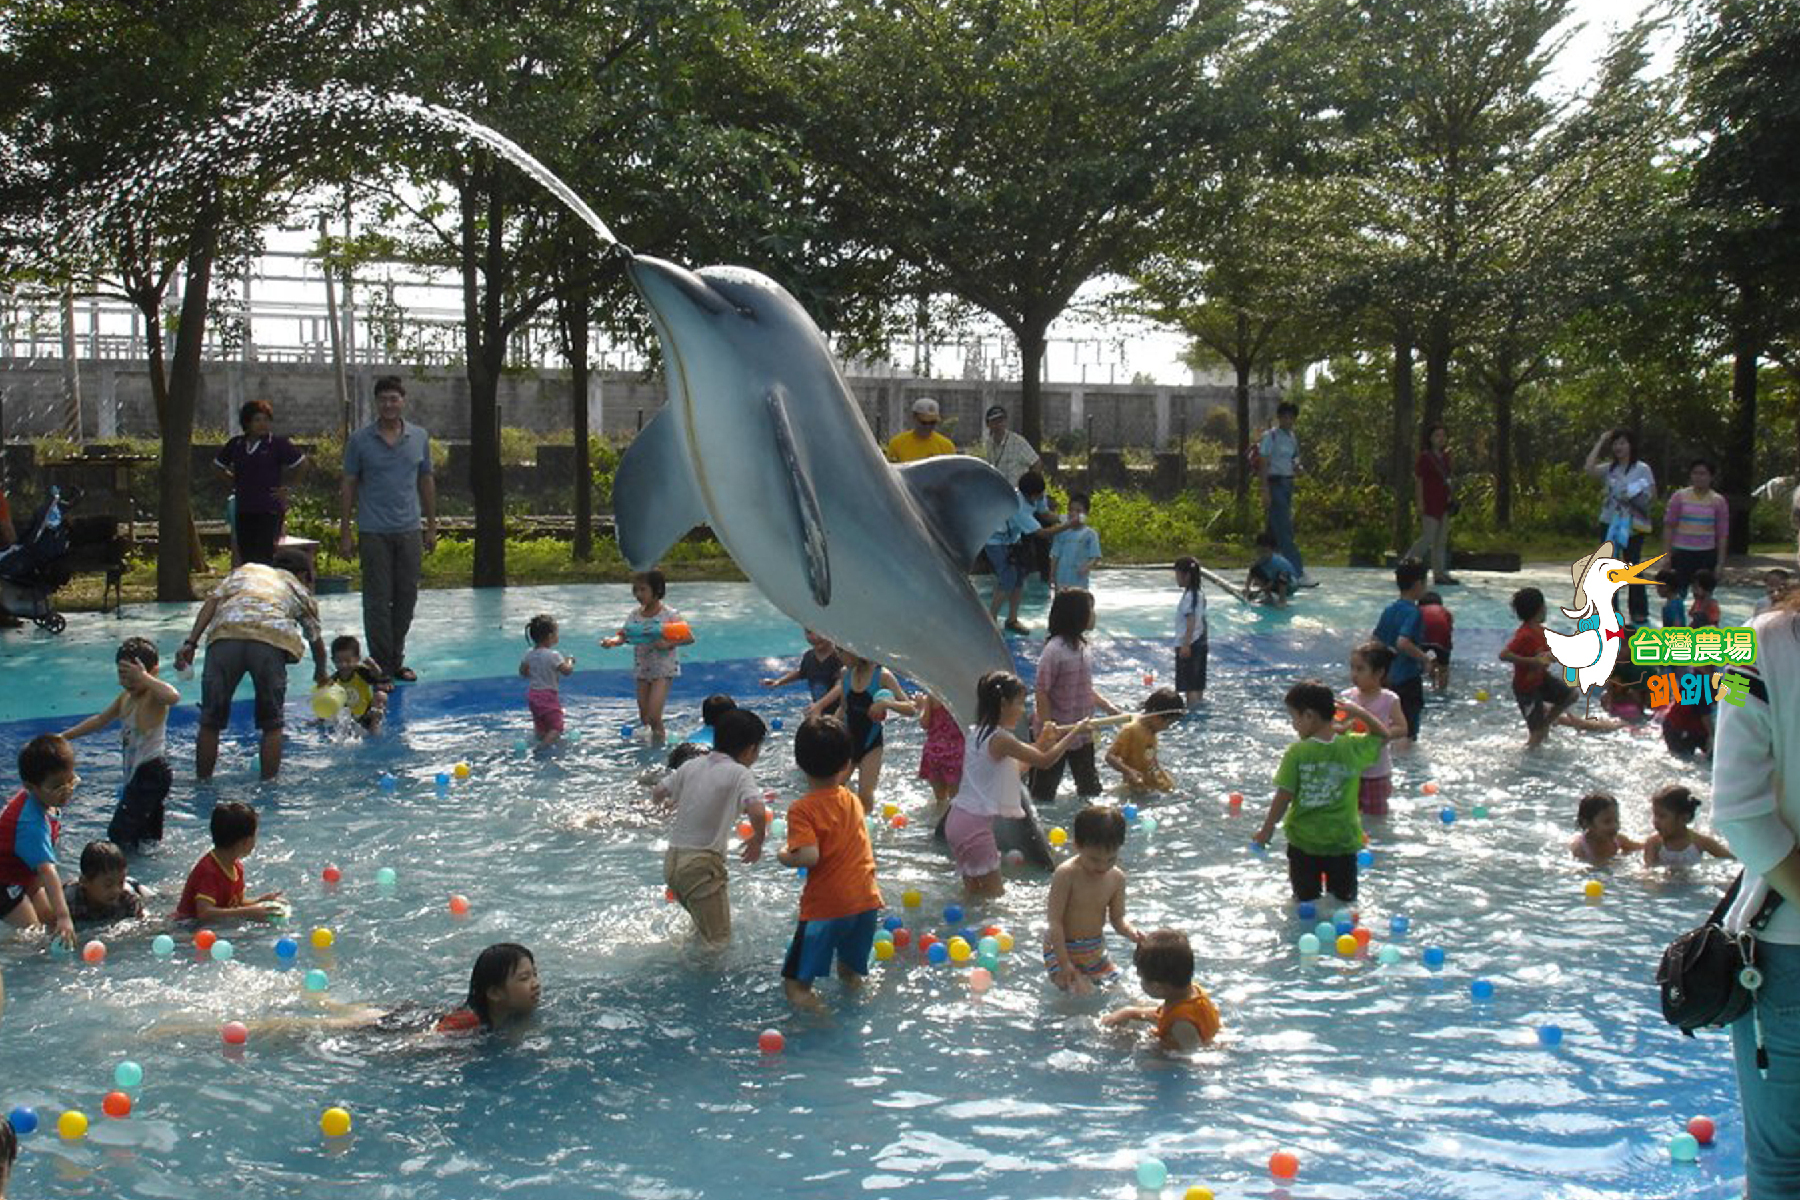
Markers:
(1696, 526)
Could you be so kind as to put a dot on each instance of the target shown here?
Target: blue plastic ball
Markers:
(892, 923)
(1447, 815)
(1684, 1147)
(286, 948)
(59, 949)
(1388, 956)
(988, 945)
(1128, 811)
(163, 946)
(443, 779)
(884, 935)
(1258, 848)
(317, 980)
(1365, 859)
(1306, 910)
(1434, 957)
(388, 782)
(626, 731)
(1481, 989)
(1326, 931)
(938, 953)
(990, 961)
(1398, 926)
(1550, 1035)
(1342, 924)
(953, 914)
(801, 872)
(128, 1074)
(1152, 1174)
(23, 1120)
(775, 724)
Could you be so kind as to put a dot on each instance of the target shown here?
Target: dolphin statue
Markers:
(761, 441)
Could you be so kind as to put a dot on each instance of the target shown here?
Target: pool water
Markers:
(642, 1077)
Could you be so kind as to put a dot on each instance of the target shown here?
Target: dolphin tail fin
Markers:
(654, 494)
(964, 501)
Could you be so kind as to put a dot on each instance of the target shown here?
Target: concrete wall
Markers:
(116, 401)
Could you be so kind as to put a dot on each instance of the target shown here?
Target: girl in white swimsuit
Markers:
(1673, 844)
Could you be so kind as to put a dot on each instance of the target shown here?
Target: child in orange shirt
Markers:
(1186, 1019)
(826, 835)
(215, 887)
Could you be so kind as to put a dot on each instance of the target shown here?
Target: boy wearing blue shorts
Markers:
(826, 835)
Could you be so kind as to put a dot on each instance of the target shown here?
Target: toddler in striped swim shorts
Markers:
(1086, 893)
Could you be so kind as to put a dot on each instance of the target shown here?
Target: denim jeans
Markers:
(1772, 1105)
(1281, 519)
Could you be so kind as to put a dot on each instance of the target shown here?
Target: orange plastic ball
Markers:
(116, 1104)
(1362, 935)
(459, 906)
(745, 830)
(331, 874)
(94, 952)
(1283, 1165)
(770, 1041)
(1429, 787)
(204, 939)
(899, 821)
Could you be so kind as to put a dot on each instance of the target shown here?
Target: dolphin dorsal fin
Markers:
(655, 498)
(963, 500)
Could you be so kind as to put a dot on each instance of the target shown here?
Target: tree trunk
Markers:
(1031, 387)
(1740, 450)
(1242, 364)
(1437, 369)
(174, 511)
(1504, 393)
(484, 339)
(575, 325)
(1401, 445)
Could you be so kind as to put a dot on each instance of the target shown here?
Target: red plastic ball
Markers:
(1429, 787)
(331, 874)
(1362, 935)
(668, 895)
(770, 1041)
(1702, 1129)
(899, 821)
(459, 906)
(1236, 799)
(902, 938)
(1283, 1165)
(94, 952)
(204, 939)
(234, 1033)
(116, 1104)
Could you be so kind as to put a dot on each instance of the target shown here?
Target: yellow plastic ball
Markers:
(884, 951)
(460, 770)
(1058, 836)
(1481, 695)
(1346, 945)
(72, 1125)
(335, 1122)
(1593, 888)
(322, 938)
(1197, 1193)
(960, 950)
(888, 810)
(911, 899)
(1006, 942)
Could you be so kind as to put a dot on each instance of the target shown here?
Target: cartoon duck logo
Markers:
(1588, 654)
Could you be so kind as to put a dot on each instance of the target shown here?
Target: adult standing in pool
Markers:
(1696, 527)
(1007, 452)
(1625, 512)
(389, 486)
(258, 622)
(259, 465)
(1434, 493)
(1756, 803)
(923, 440)
(1278, 453)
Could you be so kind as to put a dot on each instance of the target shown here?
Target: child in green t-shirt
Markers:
(1316, 787)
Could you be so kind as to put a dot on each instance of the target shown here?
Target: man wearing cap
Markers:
(922, 440)
(1006, 451)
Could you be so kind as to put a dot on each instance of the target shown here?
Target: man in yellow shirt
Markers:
(922, 440)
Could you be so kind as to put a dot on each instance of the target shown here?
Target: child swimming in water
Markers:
(869, 693)
(1186, 1019)
(1600, 841)
(1672, 808)
(1086, 893)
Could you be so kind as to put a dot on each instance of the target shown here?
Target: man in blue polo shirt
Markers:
(388, 483)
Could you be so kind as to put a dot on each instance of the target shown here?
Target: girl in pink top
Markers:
(1368, 672)
(1065, 693)
(1696, 527)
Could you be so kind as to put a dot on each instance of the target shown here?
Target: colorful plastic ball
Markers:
(775, 724)
(1283, 1164)
(1306, 910)
(317, 980)
(128, 1074)
(778, 831)
(1197, 1193)
(1343, 923)
(222, 951)
(1365, 859)
(1363, 936)
(459, 906)
(163, 946)
(1148, 825)
(387, 782)
(334, 1122)
(981, 979)
(331, 874)
(770, 1041)
(1593, 889)
(1481, 989)
(1258, 848)
(1236, 799)
(322, 938)
(1149, 678)
(989, 944)
(884, 937)
(442, 779)
(1388, 956)
(1479, 812)
(1398, 926)
(745, 830)
(626, 731)
(902, 938)
(938, 953)
(1309, 943)
(1683, 1147)
(461, 770)
(1481, 695)
(94, 952)
(1701, 1129)
(1058, 836)
(1326, 931)
(1015, 858)
(1429, 787)
(953, 914)
(892, 923)
(385, 879)
(1129, 811)
(1549, 1035)
(990, 961)
(204, 940)
(884, 950)
(800, 874)
(72, 1125)
(234, 1033)
(1434, 957)
(59, 950)
(24, 1120)
(1152, 1174)
(911, 899)
(1447, 815)
(900, 821)
(1346, 945)
(116, 1105)
(960, 950)
(286, 948)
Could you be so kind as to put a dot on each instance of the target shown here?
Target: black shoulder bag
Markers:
(1709, 977)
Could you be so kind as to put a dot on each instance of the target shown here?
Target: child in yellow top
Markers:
(1133, 752)
(1186, 1019)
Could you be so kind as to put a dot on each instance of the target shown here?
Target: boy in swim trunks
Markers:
(1086, 892)
(1186, 1019)
(827, 836)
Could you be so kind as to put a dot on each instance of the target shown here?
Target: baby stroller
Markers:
(32, 571)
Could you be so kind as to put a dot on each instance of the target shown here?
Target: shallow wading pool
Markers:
(642, 1075)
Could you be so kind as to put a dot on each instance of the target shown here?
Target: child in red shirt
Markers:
(826, 835)
(1537, 677)
(215, 887)
(1440, 631)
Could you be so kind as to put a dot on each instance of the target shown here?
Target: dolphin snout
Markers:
(666, 287)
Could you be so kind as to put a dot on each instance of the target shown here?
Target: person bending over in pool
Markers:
(1600, 840)
(1186, 1019)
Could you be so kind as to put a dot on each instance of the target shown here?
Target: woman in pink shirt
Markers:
(1696, 526)
(1066, 695)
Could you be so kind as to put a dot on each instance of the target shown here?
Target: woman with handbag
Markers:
(1436, 498)
(1756, 806)
(1625, 513)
